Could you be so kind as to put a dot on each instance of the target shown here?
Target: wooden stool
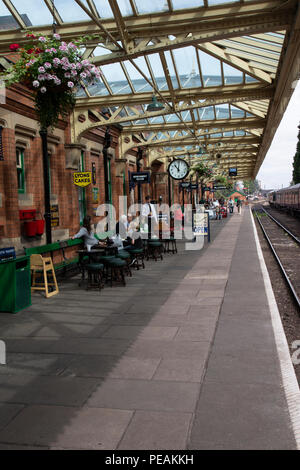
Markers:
(42, 266)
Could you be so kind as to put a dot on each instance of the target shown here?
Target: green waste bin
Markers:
(15, 284)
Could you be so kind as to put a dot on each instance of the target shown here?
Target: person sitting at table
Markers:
(86, 232)
(122, 226)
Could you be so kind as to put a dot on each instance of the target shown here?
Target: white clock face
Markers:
(178, 169)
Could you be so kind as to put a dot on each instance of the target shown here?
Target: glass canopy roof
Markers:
(213, 64)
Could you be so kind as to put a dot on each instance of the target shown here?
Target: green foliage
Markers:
(53, 70)
(56, 104)
(203, 171)
(252, 185)
(296, 163)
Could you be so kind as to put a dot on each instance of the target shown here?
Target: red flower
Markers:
(31, 36)
(14, 47)
(30, 51)
(38, 50)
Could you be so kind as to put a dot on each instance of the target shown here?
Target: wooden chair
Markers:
(41, 266)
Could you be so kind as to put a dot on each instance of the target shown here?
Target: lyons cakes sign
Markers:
(82, 178)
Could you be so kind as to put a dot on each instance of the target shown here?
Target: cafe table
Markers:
(104, 251)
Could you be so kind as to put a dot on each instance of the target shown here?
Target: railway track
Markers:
(285, 247)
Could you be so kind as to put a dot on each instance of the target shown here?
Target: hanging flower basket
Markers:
(53, 70)
(202, 170)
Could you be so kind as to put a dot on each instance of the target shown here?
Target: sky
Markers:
(276, 170)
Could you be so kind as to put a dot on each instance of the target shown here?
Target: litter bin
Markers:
(15, 284)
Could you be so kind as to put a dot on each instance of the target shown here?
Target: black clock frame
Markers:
(179, 160)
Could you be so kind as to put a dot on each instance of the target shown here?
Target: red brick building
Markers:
(22, 181)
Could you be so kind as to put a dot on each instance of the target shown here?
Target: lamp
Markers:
(155, 105)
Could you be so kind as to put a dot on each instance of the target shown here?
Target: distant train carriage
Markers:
(286, 198)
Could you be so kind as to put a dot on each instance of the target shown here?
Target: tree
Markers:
(296, 163)
(252, 185)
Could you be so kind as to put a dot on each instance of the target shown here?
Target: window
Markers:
(20, 170)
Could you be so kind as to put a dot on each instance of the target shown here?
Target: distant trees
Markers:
(296, 163)
(252, 185)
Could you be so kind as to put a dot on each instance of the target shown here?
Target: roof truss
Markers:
(257, 42)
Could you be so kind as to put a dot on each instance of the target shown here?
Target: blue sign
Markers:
(7, 254)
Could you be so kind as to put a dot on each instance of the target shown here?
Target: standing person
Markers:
(87, 234)
(239, 205)
(148, 209)
(231, 205)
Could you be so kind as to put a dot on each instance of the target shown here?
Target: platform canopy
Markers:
(224, 71)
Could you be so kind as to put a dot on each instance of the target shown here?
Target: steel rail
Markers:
(296, 239)
(287, 279)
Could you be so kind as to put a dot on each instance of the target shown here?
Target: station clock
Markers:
(178, 169)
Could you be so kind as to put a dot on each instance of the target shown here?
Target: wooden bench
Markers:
(60, 247)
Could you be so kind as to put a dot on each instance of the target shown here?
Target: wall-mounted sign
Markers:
(82, 178)
(54, 221)
(54, 215)
(232, 172)
(141, 177)
(194, 186)
(185, 185)
(94, 173)
(95, 195)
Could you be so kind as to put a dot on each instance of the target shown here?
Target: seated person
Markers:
(87, 234)
(122, 226)
(133, 239)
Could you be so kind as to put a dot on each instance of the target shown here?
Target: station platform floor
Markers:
(183, 357)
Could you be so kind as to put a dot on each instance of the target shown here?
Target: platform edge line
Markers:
(289, 379)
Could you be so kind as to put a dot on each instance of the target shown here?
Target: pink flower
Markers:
(63, 48)
(56, 36)
(36, 84)
(56, 62)
(43, 89)
(41, 70)
(47, 65)
(41, 78)
(68, 75)
(70, 84)
(83, 75)
(78, 66)
(42, 39)
(57, 81)
(74, 73)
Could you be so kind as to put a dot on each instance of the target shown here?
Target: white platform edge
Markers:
(289, 379)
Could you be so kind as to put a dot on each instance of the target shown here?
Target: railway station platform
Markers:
(189, 355)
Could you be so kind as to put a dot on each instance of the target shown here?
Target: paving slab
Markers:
(145, 395)
(68, 428)
(147, 332)
(109, 366)
(72, 391)
(182, 370)
(156, 431)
